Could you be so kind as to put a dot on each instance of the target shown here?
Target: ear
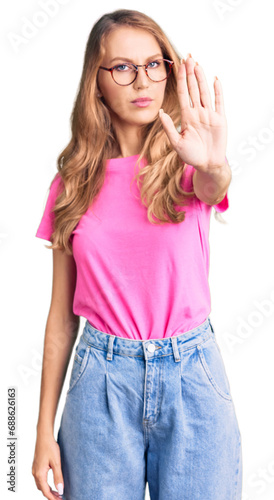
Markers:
(98, 93)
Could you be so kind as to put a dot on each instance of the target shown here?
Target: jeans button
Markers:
(151, 347)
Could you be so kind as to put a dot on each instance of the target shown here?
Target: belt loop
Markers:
(110, 348)
(175, 348)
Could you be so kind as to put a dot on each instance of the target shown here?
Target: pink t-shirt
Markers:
(135, 279)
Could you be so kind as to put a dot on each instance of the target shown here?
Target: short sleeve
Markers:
(46, 226)
(223, 205)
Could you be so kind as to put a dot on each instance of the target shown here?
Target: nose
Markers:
(142, 80)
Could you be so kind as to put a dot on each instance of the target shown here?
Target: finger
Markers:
(219, 100)
(42, 485)
(192, 84)
(58, 478)
(56, 495)
(169, 128)
(203, 87)
(182, 90)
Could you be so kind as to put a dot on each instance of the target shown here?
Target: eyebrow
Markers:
(130, 60)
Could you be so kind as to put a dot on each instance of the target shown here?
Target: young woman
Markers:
(128, 214)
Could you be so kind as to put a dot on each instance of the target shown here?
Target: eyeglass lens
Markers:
(157, 70)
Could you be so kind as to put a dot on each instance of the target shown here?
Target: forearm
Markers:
(59, 340)
(211, 186)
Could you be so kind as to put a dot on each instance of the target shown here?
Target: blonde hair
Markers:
(81, 164)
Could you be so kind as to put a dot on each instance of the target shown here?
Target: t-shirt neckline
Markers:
(113, 162)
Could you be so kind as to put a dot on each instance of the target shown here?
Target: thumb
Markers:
(169, 128)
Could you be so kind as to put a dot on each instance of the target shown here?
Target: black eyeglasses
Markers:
(157, 71)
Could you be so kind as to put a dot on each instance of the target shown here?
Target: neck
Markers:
(129, 142)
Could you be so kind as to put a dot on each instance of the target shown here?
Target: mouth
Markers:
(142, 99)
(142, 102)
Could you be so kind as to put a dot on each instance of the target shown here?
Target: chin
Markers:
(147, 117)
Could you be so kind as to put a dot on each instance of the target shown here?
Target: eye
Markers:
(125, 66)
(157, 63)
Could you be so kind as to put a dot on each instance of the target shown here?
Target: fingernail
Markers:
(189, 55)
(161, 112)
(60, 488)
(196, 64)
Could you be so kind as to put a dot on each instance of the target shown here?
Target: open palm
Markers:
(203, 137)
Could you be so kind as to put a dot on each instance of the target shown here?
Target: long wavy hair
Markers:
(82, 164)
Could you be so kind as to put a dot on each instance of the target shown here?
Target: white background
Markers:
(230, 39)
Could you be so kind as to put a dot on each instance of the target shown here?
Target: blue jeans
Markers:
(157, 411)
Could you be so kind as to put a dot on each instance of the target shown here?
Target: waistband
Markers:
(147, 349)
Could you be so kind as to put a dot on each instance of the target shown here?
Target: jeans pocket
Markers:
(211, 360)
(79, 363)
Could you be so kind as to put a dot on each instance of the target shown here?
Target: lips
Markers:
(142, 99)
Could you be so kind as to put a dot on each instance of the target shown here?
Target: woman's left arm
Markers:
(203, 137)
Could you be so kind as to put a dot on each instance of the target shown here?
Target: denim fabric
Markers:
(157, 411)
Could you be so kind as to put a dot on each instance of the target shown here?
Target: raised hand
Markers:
(203, 137)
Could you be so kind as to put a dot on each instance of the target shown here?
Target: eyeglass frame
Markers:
(171, 64)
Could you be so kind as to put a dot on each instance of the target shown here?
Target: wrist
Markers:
(45, 428)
